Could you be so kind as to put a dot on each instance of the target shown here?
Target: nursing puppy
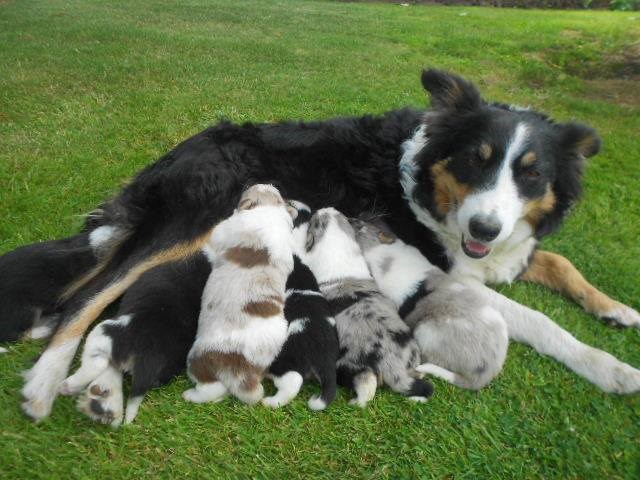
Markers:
(149, 338)
(463, 339)
(375, 344)
(241, 327)
(311, 348)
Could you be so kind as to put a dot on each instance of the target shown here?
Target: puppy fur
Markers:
(462, 338)
(375, 344)
(311, 348)
(242, 327)
(149, 338)
(32, 278)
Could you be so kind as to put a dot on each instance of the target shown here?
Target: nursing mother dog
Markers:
(482, 183)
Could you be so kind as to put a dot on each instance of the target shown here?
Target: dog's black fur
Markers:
(347, 163)
(164, 305)
(32, 279)
(314, 350)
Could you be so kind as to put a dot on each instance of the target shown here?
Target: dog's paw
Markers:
(69, 388)
(102, 401)
(358, 402)
(3, 350)
(418, 399)
(624, 379)
(273, 402)
(622, 316)
(316, 403)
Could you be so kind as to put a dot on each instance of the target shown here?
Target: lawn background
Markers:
(91, 91)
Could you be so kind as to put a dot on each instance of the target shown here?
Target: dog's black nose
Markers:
(484, 228)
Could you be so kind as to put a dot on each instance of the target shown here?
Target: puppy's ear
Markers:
(450, 91)
(311, 237)
(386, 237)
(246, 204)
(580, 139)
(293, 211)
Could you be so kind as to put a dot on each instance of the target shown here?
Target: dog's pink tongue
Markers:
(477, 247)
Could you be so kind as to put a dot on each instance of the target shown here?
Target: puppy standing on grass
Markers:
(241, 327)
(311, 348)
(374, 342)
(460, 334)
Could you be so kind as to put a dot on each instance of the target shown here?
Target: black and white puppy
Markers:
(33, 278)
(311, 348)
(149, 338)
(375, 344)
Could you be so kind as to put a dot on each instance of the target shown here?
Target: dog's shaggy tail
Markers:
(420, 390)
(133, 258)
(328, 384)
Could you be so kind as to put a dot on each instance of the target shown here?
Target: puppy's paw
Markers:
(273, 402)
(103, 400)
(316, 403)
(359, 402)
(418, 399)
(624, 379)
(192, 395)
(622, 316)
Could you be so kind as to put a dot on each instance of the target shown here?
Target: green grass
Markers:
(90, 91)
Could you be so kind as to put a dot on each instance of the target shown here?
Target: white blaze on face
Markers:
(501, 200)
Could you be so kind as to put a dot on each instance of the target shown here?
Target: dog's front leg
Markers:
(558, 273)
(533, 328)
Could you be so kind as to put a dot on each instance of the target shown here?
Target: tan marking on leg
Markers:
(534, 210)
(263, 309)
(247, 257)
(558, 273)
(78, 325)
(447, 190)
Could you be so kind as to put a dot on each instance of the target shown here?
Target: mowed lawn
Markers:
(91, 91)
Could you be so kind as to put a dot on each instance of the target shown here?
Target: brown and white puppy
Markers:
(242, 327)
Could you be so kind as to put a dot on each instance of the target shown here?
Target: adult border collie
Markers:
(482, 183)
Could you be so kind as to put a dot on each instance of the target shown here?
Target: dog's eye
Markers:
(533, 174)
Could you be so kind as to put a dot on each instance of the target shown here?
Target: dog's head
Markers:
(370, 234)
(481, 169)
(261, 194)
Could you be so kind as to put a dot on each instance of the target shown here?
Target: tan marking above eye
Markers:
(448, 191)
(528, 159)
(485, 151)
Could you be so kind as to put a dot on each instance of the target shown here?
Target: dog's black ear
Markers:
(580, 139)
(450, 91)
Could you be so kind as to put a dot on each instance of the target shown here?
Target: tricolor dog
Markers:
(242, 327)
(375, 344)
(472, 184)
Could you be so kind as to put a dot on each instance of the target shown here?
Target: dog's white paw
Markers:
(418, 399)
(273, 402)
(622, 316)
(69, 388)
(102, 401)
(624, 379)
(316, 403)
(3, 350)
(359, 402)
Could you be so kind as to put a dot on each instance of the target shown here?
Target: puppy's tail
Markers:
(329, 387)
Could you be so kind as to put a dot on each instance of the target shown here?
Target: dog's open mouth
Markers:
(475, 249)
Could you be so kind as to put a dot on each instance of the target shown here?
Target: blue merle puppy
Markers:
(311, 348)
(375, 344)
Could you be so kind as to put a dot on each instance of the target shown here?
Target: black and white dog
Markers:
(149, 338)
(472, 184)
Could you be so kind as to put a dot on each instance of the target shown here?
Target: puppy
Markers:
(463, 338)
(242, 327)
(311, 348)
(149, 338)
(32, 279)
(375, 344)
